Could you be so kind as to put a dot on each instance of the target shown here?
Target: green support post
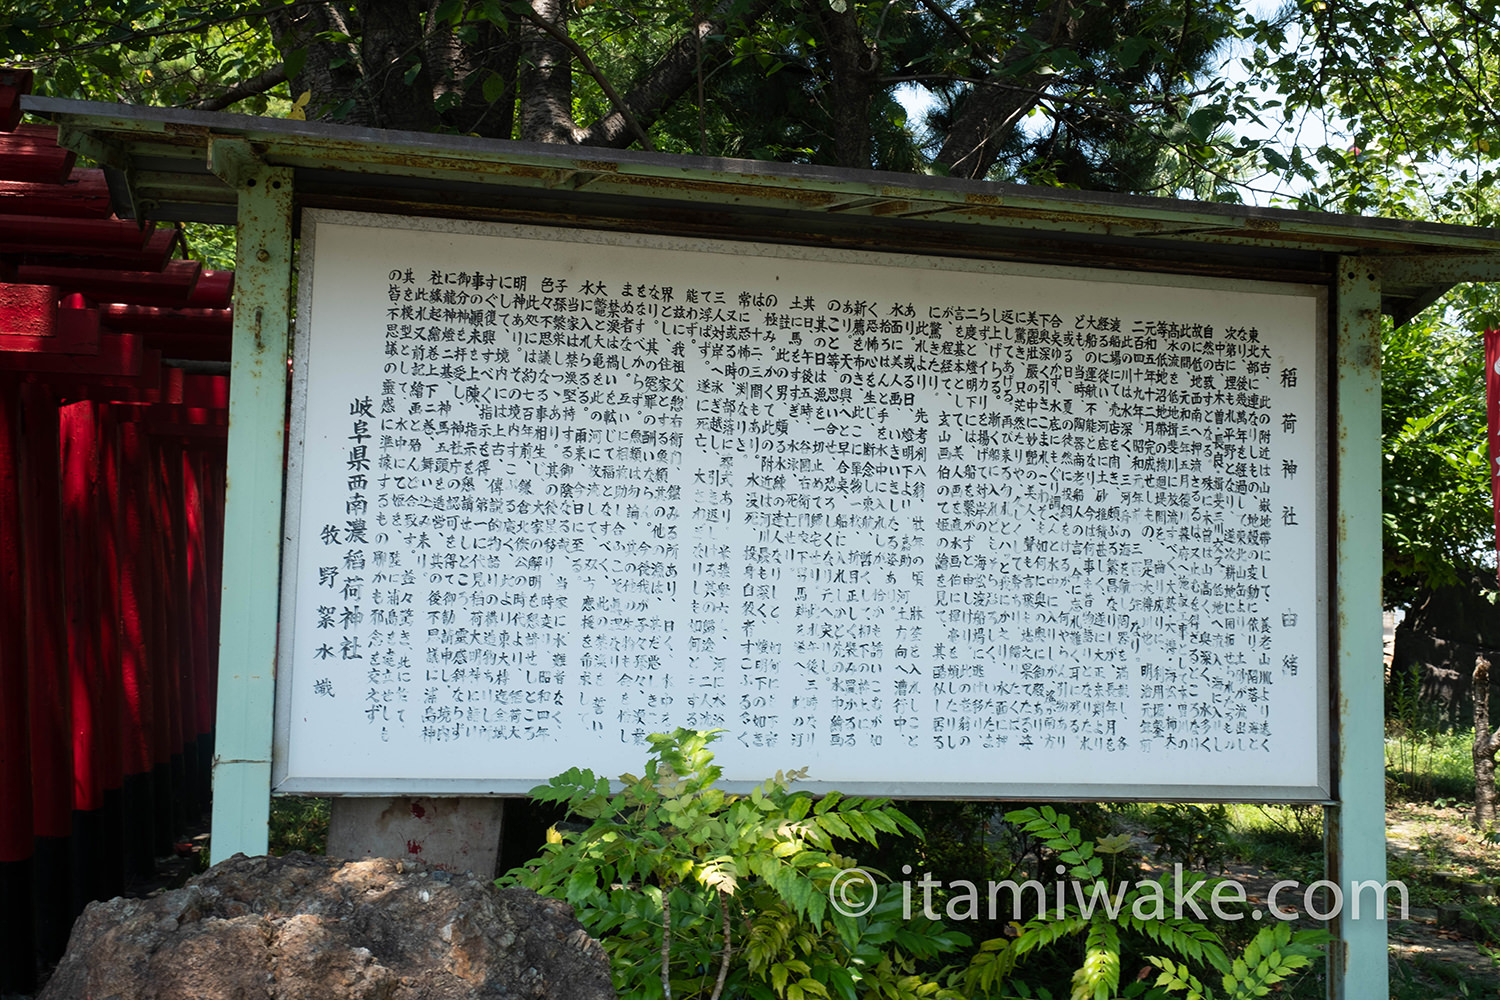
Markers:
(1355, 827)
(253, 499)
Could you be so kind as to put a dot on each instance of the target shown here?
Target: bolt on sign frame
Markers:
(259, 174)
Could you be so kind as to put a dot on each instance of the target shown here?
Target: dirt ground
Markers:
(1459, 865)
(1436, 950)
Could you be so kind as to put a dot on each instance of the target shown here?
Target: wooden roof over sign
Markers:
(163, 159)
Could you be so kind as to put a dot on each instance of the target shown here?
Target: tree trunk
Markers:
(368, 85)
(396, 78)
(546, 78)
(853, 64)
(334, 88)
(1486, 744)
(462, 68)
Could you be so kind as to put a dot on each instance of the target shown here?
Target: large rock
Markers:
(313, 928)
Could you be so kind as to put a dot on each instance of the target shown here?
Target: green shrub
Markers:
(698, 893)
(1430, 764)
(298, 824)
(1134, 911)
(1190, 833)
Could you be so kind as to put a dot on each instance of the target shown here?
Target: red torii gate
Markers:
(112, 429)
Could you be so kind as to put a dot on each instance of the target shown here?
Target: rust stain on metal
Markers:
(361, 158)
(732, 191)
(875, 206)
(598, 166)
(890, 208)
(192, 132)
(524, 170)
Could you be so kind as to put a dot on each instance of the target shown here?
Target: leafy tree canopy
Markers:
(1411, 94)
(1131, 95)
(1412, 90)
(1082, 92)
(1438, 526)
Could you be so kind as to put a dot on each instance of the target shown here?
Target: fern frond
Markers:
(1099, 976)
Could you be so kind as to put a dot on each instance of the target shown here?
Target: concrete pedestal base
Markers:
(460, 835)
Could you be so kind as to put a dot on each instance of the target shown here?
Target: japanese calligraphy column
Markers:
(252, 505)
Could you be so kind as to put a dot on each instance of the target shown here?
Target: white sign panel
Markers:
(926, 526)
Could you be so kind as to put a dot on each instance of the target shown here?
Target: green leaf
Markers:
(494, 87)
(1130, 50)
(294, 61)
(1203, 122)
(1099, 976)
(841, 981)
(835, 825)
(582, 883)
(779, 974)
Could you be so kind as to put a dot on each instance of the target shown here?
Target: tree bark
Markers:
(1486, 744)
(460, 70)
(369, 87)
(390, 52)
(853, 64)
(296, 28)
(546, 79)
(257, 84)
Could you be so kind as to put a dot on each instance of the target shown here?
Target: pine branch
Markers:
(958, 29)
(991, 108)
(110, 33)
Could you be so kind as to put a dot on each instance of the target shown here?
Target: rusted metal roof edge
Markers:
(162, 155)
(305, 144)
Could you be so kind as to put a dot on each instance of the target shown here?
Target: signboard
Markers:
(926, 526)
